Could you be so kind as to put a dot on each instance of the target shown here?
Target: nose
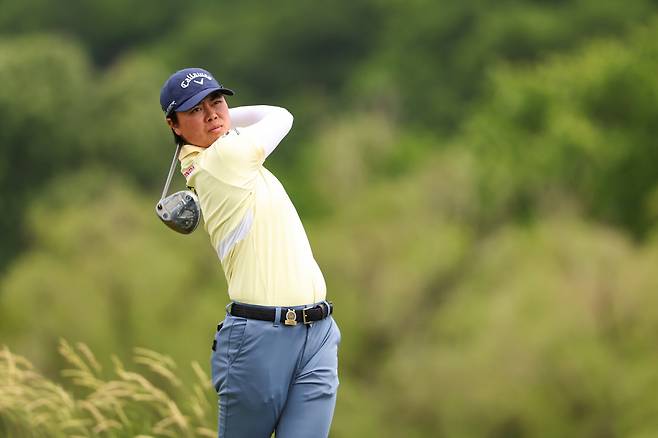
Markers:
(210, 113)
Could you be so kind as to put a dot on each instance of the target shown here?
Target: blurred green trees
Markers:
(477, 180)
(583, 124)
(102, 265)
(43, 80)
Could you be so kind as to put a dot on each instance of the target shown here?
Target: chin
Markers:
(212, 140)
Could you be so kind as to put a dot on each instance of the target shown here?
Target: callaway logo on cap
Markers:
(188, 87)
(191, 78)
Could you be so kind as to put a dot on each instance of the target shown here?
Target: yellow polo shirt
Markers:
(253, 225)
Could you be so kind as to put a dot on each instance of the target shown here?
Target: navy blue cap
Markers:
(186, 88)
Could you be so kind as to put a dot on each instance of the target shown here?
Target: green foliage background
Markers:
(478, 179)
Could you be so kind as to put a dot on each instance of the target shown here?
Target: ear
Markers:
(173, 126)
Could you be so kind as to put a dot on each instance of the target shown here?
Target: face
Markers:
(203, 123)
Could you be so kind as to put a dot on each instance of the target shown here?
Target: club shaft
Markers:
(171, 172)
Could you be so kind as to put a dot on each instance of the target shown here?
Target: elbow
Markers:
(289, 118)
(286, 118)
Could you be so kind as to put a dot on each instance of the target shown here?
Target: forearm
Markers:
(269, 123)
(243, 116)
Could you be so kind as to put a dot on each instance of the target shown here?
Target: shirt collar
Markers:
(189, 149)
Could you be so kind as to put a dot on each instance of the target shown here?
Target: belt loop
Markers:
(328, 308)
(277, 316)
(228, 308)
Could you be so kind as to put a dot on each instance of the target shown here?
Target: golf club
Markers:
(179, 211)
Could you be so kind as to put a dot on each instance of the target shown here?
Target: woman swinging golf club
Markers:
(274, 360)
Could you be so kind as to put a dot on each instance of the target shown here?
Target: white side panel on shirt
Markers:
(235, 236)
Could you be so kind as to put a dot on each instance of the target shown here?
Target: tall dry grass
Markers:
(148, 400)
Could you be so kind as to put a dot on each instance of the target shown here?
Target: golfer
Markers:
(275, 355)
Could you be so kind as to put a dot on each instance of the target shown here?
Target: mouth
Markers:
(216, 130)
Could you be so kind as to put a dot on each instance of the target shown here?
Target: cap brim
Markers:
(192, 101)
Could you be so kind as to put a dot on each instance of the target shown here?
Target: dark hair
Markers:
(177, 138)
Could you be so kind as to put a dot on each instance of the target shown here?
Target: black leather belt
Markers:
(306, 315)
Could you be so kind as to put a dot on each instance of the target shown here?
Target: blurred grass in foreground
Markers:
(147, 401)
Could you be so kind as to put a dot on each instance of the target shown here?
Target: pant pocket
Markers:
(235, 339)
(228, 344)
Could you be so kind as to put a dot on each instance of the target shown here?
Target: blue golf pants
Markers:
(271, 377)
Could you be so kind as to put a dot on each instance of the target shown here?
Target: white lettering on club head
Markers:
(191, 78)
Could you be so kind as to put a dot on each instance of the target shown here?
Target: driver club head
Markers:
(180, 211)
